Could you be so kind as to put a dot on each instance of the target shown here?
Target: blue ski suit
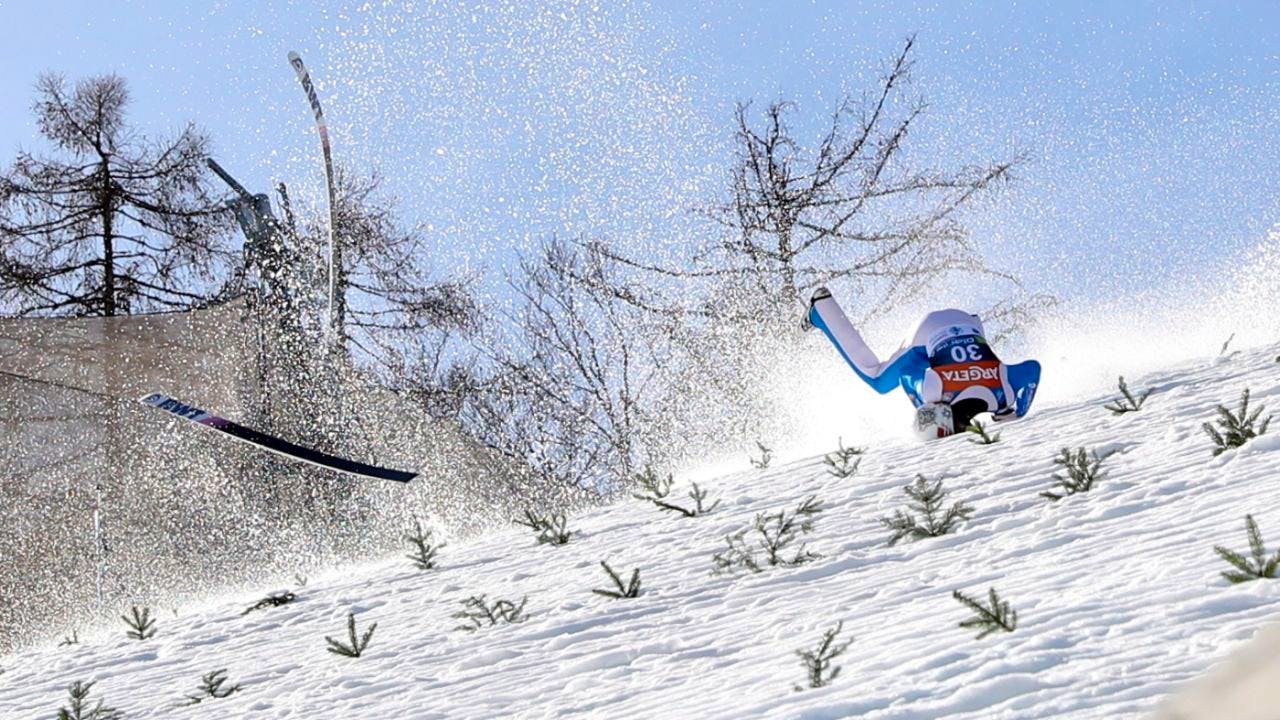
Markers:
(947, 360)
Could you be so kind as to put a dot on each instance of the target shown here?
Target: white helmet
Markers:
(933, 421)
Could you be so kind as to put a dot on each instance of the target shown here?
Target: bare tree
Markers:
(850, 209)
(384, 284)
(391, 312)
(113, 222)
(571, 385)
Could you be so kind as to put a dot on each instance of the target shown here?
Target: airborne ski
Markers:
(274, 444)
(322, 128)
(230, 181)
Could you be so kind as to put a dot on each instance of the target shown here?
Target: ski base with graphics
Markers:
(274, 444)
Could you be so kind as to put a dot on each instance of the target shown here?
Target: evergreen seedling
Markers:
(984, 438)
(929, 520)
(424, 551)
(478, 613)
(817, 662)
(808, 509)
(1236, 428)
(1227, 344)
(738, 555)
(271, 600)
(213, 686)
(355, 646)
(698, 509)
(766, 455)
(80, 710)
(1259, 567)
(551, 530)
(1128, 402)
(141, 625)
(655, 487)
(628, 590)
(999, 616)
(844, 461)
(1081, 473)
(777, 533)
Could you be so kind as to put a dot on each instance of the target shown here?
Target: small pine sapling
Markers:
(698, 495)
(478, 613)
(844, 461)
(1128, 402)
(551, 530)
(80, 710)
(777, 532)
(213, 686)
(355, 646)
(423, 555)
(999, 616)
(275, 599)
(739, 555)
(655, 486)
(629, 590)
(1237, 428)
(1260, 567)
(1082, 473)
(983, 437)
(766, 455)
(929, 520)
(141, 625)
(1225, 345)
(809, 508)
(817, 662)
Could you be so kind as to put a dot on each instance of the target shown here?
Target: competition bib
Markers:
(965, 361)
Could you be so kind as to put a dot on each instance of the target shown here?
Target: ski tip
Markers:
(821, 293)
(294, 56)
(381, 473)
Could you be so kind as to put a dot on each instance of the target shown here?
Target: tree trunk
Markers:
(341, 336)
(108, 244)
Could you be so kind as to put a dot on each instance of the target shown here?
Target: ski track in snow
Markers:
(1118, 595)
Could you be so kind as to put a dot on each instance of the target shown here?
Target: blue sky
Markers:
(1151, 129)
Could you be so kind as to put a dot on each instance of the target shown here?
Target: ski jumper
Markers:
(947, 360)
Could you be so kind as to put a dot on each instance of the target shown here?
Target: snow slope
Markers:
(1117, 591)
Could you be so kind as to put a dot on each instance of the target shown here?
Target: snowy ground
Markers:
(1117, 590)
